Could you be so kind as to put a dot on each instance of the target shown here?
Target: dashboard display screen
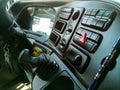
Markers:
(42, 24)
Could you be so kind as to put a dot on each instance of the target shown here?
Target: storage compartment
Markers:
(64, 81)
(61, 83)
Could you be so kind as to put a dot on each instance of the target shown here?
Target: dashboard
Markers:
(83, 35)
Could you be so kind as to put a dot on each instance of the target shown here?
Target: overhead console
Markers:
(83, 34)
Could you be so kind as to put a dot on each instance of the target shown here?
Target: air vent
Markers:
(54, 38)
(60, 26)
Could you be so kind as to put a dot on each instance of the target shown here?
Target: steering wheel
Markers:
(8, 25)
(11, 34)
(6, 21)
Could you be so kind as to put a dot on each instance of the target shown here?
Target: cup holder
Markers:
(61, 83)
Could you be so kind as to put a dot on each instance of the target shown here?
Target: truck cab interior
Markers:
(59, 44)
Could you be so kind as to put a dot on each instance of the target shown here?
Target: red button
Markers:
(83, 39)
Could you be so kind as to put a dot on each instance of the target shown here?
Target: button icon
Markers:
(83, 39)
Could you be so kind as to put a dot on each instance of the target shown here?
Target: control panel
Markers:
(89, 40)
(75, 14)
(77, 58)
(66, 12)
(98, 18)
(85, 32)
(82, 38)
(72, 31)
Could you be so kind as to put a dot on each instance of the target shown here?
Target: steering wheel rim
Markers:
(6, 20)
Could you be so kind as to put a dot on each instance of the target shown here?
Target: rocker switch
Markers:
(83, 39)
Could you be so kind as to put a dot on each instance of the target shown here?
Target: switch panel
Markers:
(70, 28)
(92, 42)
(66, 12)
(98, 18)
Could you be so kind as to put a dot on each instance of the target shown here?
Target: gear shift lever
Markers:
(46, 65)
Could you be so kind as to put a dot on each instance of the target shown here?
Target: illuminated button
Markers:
(82, 39)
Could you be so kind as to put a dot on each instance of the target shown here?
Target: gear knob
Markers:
(46, 65)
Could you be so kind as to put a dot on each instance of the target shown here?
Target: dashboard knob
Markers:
(76, 15)
(63, 42)
(69, 30)
(77, 60)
